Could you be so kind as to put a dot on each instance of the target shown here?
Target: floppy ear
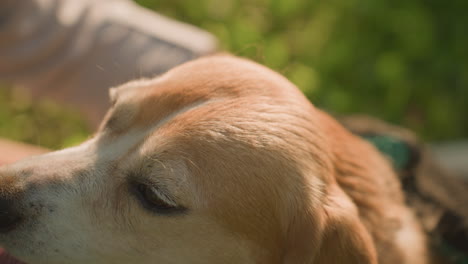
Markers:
(113, 95)
(345, 239)
(334, 235)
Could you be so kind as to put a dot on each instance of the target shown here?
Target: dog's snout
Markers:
(10, 193)
(9, 217)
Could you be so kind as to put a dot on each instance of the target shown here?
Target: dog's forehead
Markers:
(147, 102)
(221, 88)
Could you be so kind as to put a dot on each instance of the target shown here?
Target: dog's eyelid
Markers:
(163, 196)
(157, 188)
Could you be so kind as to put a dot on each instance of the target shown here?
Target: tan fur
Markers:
(266, 177)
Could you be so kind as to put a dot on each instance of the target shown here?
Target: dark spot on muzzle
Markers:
(9, 216)
(10, 196)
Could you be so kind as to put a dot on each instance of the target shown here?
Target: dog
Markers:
(219, 160)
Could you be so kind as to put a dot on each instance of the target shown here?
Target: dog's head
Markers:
(219, 160)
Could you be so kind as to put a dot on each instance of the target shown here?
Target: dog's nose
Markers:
(10, 194)
(9, 217)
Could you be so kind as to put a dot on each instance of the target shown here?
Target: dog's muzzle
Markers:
(10, 195)
(9, 217)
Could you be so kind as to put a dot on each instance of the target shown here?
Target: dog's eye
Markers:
(155, 199)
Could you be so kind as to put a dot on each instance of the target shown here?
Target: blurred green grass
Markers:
(405, 61)
(41, 122)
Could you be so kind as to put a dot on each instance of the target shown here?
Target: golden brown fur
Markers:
(342, 159)
(241, 147)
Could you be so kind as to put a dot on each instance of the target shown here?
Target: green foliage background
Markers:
(41, 122)
(405, 61)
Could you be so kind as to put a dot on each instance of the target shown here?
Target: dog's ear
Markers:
(344, 239)
(113, 95)
(331, 234)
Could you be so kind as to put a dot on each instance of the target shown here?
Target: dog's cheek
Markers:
(41, 238)
(56, 228)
